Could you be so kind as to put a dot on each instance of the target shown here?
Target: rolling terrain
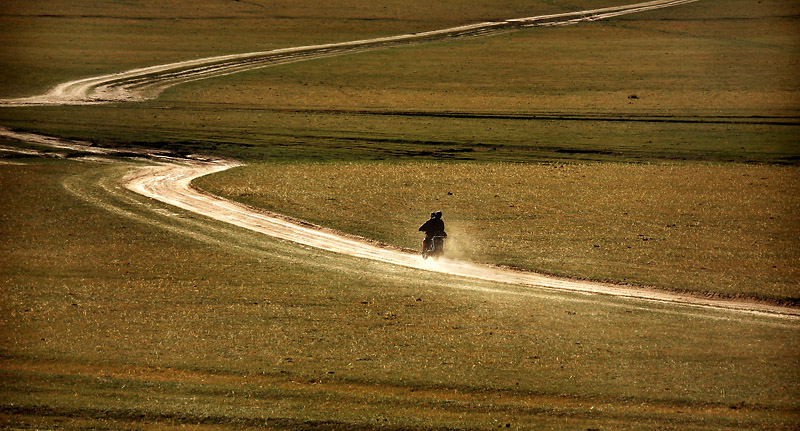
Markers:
(132, 299)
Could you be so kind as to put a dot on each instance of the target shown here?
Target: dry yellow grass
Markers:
(720, 229)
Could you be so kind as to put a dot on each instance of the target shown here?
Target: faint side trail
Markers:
(171, 183)
(149, 82)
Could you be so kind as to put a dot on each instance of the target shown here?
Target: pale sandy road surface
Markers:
(170, 182)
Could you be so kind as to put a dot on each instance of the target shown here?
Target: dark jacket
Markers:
(433, 227)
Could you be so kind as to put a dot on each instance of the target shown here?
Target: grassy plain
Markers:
(120, 313)
(676, 84)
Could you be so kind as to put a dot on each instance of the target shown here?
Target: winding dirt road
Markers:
(170, 181)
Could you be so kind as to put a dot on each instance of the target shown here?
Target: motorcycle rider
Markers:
(433, 227)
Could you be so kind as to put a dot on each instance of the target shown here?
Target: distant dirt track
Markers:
(170, 181)
(149, 82)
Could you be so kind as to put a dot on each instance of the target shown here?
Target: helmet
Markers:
(438, 214)
(433, 215)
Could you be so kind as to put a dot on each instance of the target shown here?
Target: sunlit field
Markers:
(658, 149)
(121, 313)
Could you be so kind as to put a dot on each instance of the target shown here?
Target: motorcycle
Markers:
(434, 248)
